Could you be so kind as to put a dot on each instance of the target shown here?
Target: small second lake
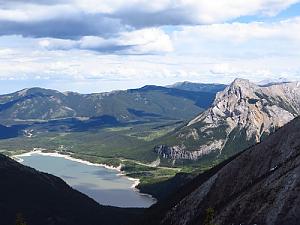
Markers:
(104, 185)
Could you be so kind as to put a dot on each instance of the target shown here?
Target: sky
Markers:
(102, 45)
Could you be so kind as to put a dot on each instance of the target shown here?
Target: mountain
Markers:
(135, 104)
(260, 185)
(45, 199)
(241, 115)
(269, 82)
(198, 87)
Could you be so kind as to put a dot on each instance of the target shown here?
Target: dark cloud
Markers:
(81, 23)
(140, 18)
(105, 47)
(65, 28)
(133, 15)
(110, 48)
(56, 21)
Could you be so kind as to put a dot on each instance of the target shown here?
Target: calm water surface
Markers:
(102, 184)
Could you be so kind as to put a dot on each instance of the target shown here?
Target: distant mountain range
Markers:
(199, 87)
(268, 82)
(260, 185)
(229, 117)
(241, 115)
(237, 116)
(129, 105)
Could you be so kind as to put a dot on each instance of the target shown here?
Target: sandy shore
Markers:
(65, 156)
(69, 157)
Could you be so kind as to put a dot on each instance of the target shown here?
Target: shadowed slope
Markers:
(45, 199)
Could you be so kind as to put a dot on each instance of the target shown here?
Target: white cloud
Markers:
(138, 13)
(240, 39)
(222, 68)
(240, 32)
(213, 11)
(152, 40)
(33, 13)
(193, 11)
(54, 44)
(81, 66)
(144, 41)
(6, 52)
(60, 42)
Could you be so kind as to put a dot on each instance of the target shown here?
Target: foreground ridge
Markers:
(259, 186)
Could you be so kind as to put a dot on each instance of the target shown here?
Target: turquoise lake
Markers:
(103, 185)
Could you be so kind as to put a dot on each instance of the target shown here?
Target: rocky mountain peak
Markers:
(244, 102)
(234, 102)
(240, 82)
(241, 88)
(243, 111)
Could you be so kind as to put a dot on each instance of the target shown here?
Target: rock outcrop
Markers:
(241, 115)
(176, 152)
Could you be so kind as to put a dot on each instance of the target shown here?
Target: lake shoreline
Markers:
(68, 156)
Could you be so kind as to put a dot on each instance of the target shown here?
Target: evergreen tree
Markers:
(20, 220)
(209, 216)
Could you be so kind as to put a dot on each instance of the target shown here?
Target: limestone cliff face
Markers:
(177, 152)
(244, 112)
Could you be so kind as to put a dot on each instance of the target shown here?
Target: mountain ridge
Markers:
(45, 104)
(244, 111)
(259, 185)
(201, 87)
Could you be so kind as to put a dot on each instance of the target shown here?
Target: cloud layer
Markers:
(145, 41)
(73, 18)
(109, 22)
(89, 42)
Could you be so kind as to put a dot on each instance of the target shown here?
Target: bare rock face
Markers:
(256, 108)
(260, 186)
(177, 152)
(245, 112)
